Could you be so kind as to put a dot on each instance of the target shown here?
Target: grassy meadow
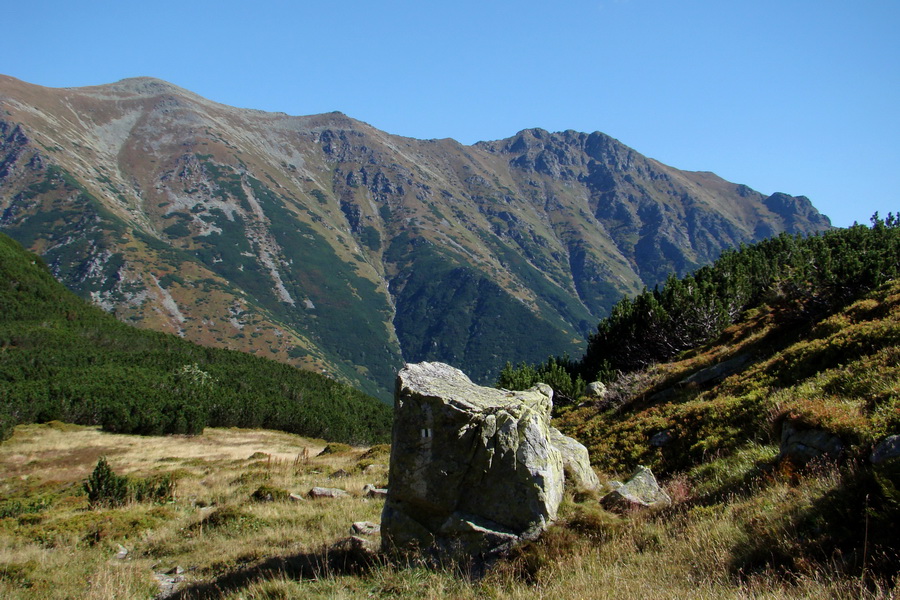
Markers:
(218, 542)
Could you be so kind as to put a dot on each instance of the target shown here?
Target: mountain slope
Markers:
(63, 359)
(324, 242)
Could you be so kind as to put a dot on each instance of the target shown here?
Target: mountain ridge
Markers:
(343, 248)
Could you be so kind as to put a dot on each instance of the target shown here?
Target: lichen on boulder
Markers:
(473, 469)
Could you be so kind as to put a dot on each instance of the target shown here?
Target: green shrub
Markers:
(105, 488)
(154, 489)
(267, 493)
(335, 448)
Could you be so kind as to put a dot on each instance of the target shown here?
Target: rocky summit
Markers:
(473, 469)
(326, 243)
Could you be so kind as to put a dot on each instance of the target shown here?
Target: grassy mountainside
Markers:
(61, 358)
(840, 373)
(330, 245)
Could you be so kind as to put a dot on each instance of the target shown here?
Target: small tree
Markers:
(105, 488)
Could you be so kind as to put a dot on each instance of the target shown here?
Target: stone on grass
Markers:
(802, 444)
(472, 468)
(596, 390)
(365, 528)
(887, 449)
(370, 491)
(323, 492)
(640, 491)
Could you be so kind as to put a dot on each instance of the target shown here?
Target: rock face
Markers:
(472, 468)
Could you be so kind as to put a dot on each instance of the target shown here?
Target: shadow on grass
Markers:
(331, 561)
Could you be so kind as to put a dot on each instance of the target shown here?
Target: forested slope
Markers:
(61, 358)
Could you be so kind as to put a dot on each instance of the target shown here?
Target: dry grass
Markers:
(230, 546)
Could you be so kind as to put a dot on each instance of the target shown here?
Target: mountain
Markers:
(63, 359)
(326, 243)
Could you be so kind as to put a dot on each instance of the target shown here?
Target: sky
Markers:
(795, 96)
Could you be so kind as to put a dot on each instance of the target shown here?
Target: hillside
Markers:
(328, 244)
(731, 427)
(63, 359)
(744, 524)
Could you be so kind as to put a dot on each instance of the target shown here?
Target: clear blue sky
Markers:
(798, 96)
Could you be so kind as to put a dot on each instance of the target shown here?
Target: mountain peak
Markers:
(326, 243)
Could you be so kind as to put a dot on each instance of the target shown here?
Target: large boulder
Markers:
(472, 468)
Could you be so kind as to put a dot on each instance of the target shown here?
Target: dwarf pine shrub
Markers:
(104, 487)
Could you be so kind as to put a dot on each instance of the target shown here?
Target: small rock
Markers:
(717, 372)
(640, 491)
(596, 390)
(365, 528)
(296, 498)
(339, 474)
(661, 439)
(167, 584)
(887, 449)
(801, 444)
(370, 491)
(176, 570)
(322, 492)
(122, 552)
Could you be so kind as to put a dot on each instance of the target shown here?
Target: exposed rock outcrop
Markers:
(473, 469)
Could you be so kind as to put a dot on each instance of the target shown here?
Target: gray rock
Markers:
(122, 552)
(640, 491)
(370, 491)
(595, 390)
(576, 462)
(365, 528)
(717, 371)
(801, 444)
(322, 492)
(705, 376)
(886, 450)
(661, 439)
(472, 469)
(296, 498)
